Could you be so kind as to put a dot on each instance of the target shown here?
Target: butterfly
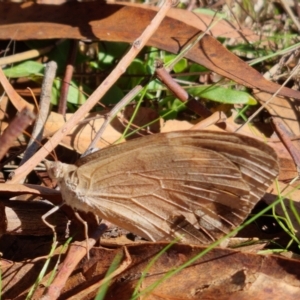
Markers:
(194, 185)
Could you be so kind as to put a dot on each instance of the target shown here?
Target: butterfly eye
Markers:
(55, 171)
(58, 171)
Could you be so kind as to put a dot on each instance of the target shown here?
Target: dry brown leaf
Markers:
(173, 125)
(10, 190)
(287, 110)
(202, 21)
(110, 22)
(288, 170)
(23, 218)
(243, 276)
(81, 136)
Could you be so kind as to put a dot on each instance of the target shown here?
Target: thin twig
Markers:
(96, 286)
(67, 78)
(38, 129)
(183, 95)
(289, 11)
(32, 189)
(14, 129)
(18, 102)
(112, 114)
(295, 70)
(75, 254)
(25, 55)
(284, 136)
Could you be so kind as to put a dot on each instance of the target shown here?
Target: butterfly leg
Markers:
(85, 224)
(46, 215)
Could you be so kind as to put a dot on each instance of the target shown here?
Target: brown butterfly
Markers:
(197, 185)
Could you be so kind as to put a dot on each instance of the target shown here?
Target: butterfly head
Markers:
(55, 169)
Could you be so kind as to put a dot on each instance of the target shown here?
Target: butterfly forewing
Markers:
(162, 186)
